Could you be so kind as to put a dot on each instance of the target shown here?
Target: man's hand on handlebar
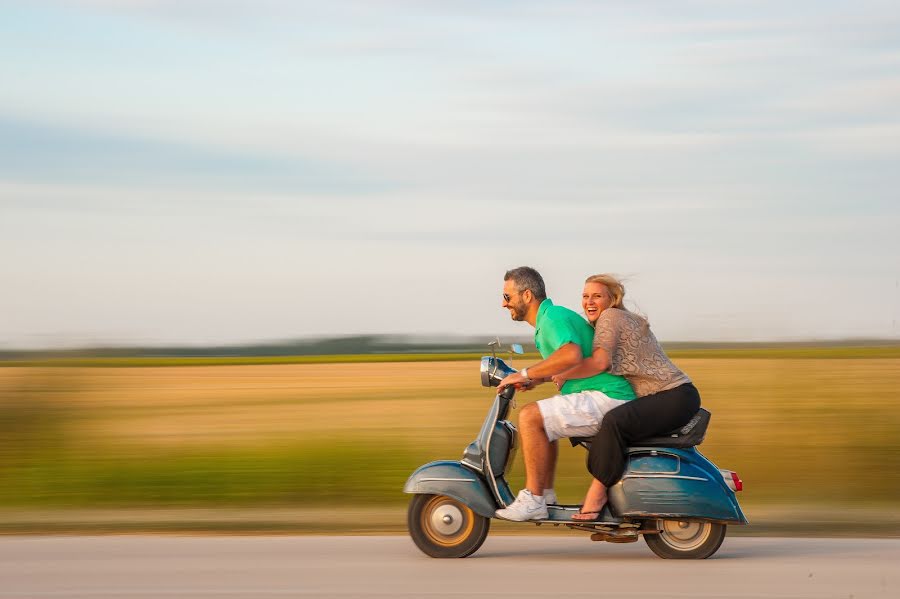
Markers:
(520, 382)
(516, 380)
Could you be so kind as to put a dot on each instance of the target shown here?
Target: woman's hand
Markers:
(560, 380)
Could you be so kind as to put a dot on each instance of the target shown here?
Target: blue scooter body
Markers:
(660, 483)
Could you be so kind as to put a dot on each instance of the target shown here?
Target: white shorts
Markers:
(575, 414)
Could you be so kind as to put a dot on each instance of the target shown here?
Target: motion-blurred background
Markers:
(326, 443)
(250, 252)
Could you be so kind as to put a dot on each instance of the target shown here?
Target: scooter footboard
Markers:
(674, 483)
(453, 480)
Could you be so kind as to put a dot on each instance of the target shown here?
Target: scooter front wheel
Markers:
(686, 540)
(443, 527)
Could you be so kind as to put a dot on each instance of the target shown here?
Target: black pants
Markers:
(638, 419)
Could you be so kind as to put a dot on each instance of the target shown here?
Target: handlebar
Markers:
(494, 370)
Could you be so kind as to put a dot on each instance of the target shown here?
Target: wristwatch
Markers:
(524, 373)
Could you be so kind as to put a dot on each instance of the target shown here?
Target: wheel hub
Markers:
(684, 535)
(447, 519)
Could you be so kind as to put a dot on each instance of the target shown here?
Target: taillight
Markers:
(733, 481)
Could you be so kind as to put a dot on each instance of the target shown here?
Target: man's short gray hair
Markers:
(526, 277)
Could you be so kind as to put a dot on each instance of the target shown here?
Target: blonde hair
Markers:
(614, 286)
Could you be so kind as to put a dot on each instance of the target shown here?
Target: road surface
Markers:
(551, 565)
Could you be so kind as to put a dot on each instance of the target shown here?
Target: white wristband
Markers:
(524, 373)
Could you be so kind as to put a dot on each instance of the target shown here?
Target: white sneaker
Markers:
(550, 497)
(525, 507)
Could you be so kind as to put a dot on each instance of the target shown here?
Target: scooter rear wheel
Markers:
(443, 527)
(686, 540)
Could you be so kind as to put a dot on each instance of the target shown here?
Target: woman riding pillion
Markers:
(624, 345)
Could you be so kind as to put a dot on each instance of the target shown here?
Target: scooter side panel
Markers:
(674, 483)
(502, 447)
(504, 491)
(453, 480)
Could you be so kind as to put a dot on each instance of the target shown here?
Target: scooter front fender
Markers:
(453, 480)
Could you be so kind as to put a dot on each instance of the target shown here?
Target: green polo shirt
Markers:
(555, 326)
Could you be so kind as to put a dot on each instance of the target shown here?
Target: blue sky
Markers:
(211, 172)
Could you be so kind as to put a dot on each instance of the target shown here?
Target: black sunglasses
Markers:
(507, 297)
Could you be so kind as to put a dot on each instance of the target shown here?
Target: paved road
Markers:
(551, 565)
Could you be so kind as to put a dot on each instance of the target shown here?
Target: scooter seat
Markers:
(689, 435)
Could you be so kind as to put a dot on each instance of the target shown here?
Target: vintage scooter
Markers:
(670, 494)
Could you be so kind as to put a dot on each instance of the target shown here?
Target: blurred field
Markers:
(816, 434)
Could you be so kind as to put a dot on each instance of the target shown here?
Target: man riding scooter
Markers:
(563, 339)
